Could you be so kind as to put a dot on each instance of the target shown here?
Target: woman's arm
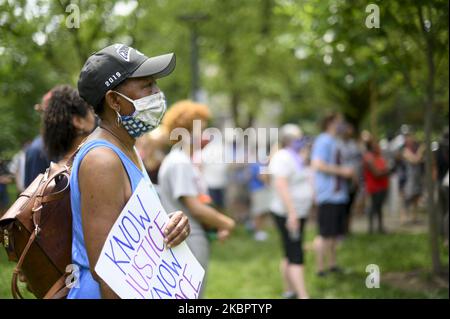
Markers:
(102, 187)
(105, 189)
(282, 188)
(206, 214)
(342, 171)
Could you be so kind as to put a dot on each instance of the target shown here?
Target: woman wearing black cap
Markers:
(119, 82)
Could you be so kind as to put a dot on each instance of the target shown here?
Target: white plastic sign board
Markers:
(134, 261)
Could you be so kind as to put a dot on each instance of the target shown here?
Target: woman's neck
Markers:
(125, 141)
(119, 133)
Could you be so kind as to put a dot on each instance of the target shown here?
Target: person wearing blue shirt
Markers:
(36, 158)
(331, 191)
(260, 197)
(119, 82)
(5, 179)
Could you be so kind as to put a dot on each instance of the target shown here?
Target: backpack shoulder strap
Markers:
(71, 159)
(59, 289)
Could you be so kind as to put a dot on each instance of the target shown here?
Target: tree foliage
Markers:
(305, 56)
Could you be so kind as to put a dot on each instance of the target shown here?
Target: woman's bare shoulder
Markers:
(101, 160)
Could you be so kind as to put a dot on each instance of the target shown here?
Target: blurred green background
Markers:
(279, 60)
(260, 62)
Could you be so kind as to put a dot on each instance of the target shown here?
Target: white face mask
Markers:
(149, 109)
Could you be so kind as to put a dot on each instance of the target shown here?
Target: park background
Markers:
(259, 63)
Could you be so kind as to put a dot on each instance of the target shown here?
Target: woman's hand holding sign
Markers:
(177, 230)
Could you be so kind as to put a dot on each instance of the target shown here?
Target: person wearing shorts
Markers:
(260, 197)
(331, 219)
(293, 196)
(331, 192)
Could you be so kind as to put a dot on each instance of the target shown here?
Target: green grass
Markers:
(6, 270)
(243, 268)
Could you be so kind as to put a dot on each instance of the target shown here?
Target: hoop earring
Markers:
(118, 119)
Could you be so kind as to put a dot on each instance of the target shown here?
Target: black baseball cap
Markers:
(109, 67)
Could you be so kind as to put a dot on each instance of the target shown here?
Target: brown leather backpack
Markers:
(36, 232)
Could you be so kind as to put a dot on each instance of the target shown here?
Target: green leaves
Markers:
(302, 55)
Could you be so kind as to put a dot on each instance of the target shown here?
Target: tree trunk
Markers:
(373, 104)
(429, 105)
(235, 108)
(432, 212)
(250, 119)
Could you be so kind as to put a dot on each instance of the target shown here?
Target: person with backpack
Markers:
(120, 84)
(67, 121)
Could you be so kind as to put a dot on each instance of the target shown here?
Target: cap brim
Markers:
(158, 66)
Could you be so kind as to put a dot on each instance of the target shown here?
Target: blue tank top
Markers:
(87, 287)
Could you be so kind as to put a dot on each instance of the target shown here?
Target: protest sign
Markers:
(134, 261)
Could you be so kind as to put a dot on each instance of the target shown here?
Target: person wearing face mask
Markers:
(120, 83)
(293, 194)
(68, 120)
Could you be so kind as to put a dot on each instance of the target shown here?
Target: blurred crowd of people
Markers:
(332, 177)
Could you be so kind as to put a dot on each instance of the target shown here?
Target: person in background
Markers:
(152, 148)
(215, 170)
(351, 157)
(5, 179)
(36, 159)
(331, 191)
(293, 195)
(17, 168)
(238, 194)
(413, 155)
(181, 185)
(260, 199)
(68, 120)
(398, 164)
(376, 176)
(360, 201)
